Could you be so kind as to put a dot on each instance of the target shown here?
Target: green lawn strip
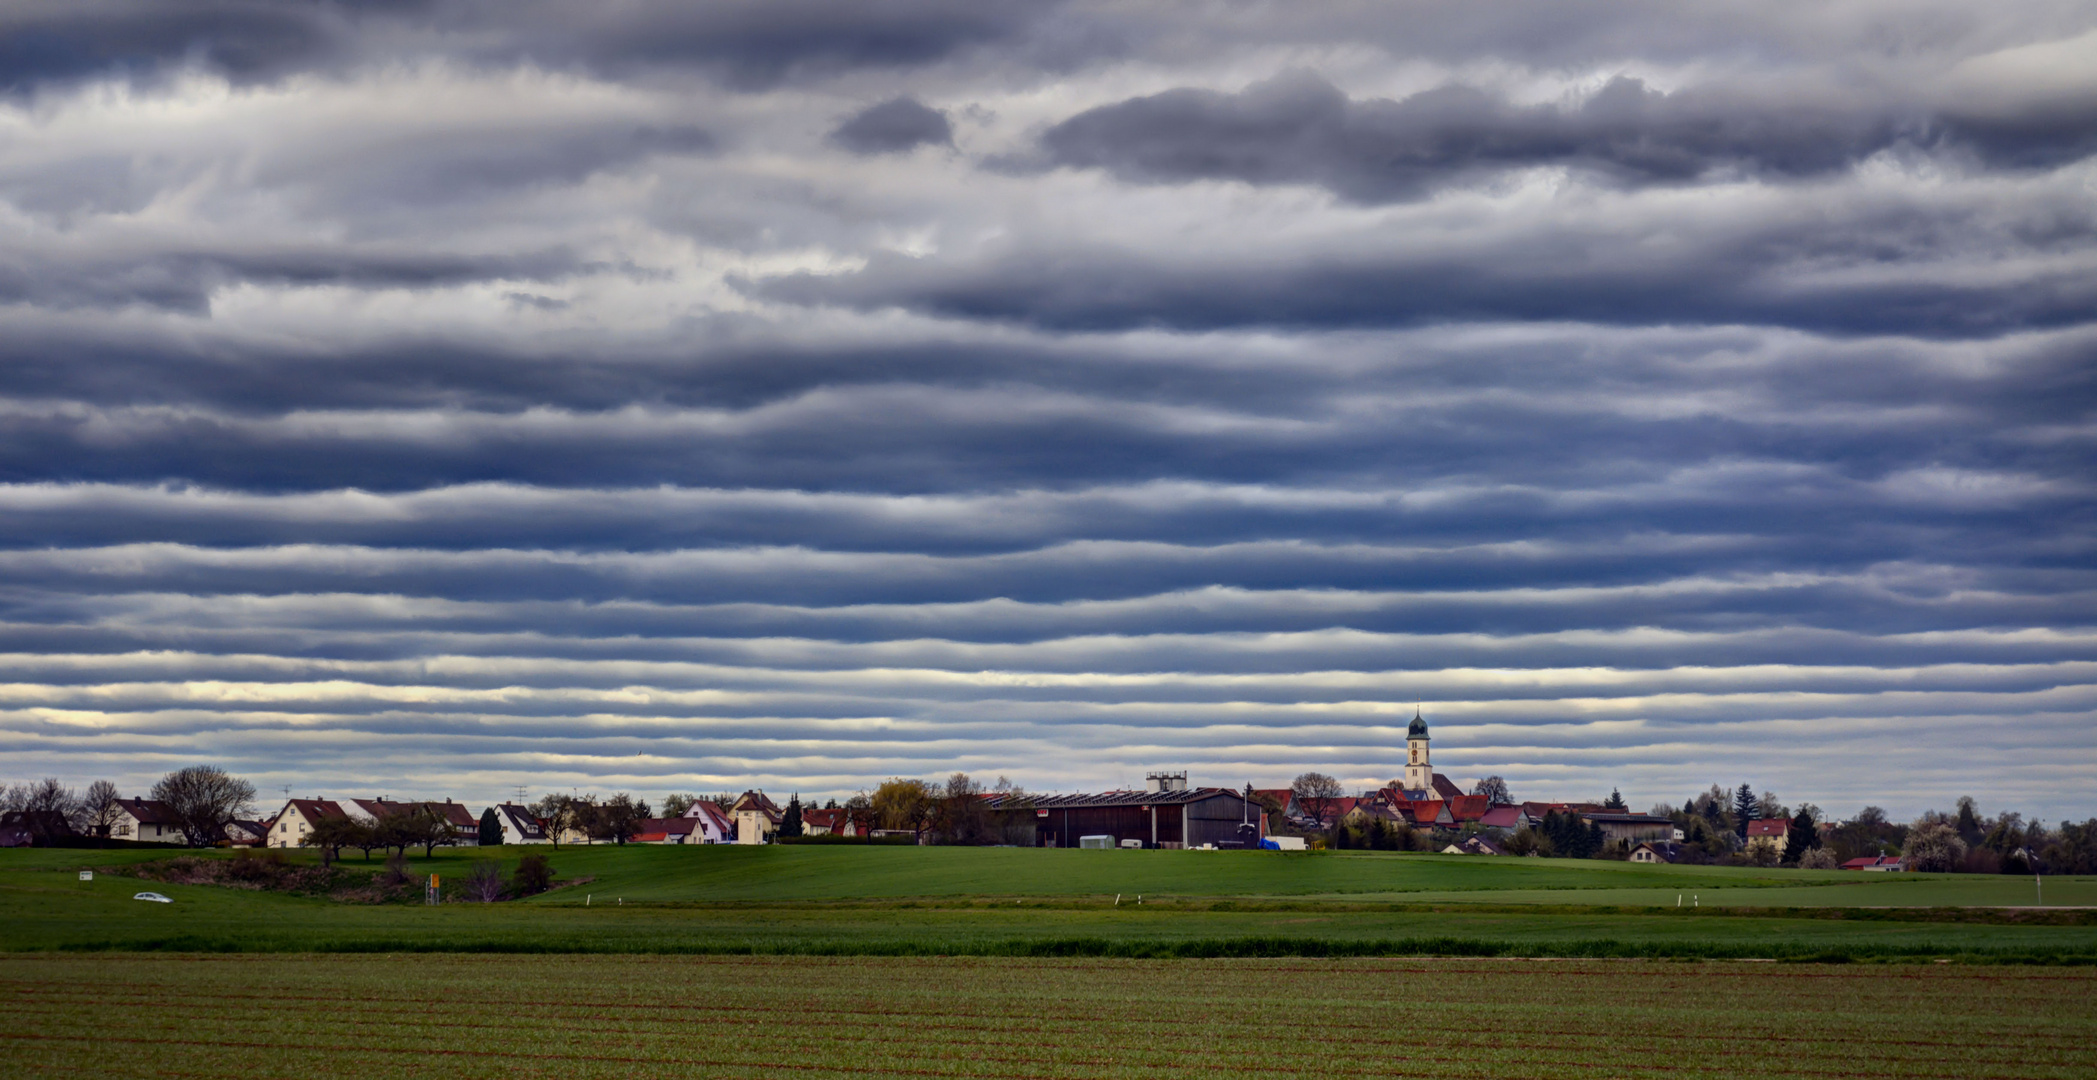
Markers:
(656, 1016)
(643, 873)
(43, 911)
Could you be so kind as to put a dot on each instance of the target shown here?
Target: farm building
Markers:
(1168, 815)
(1633, 828)
(1775, 832)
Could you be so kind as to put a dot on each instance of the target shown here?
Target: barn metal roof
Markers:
(1124, 798)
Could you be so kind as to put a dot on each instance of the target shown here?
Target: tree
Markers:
(52, 797)
(99, 809)
(962, 818)
(204, 798)
(1933, 847)
(790, 822)
(2074, 849)
(484, 881)
(675, 805)
(332, 834)
(1495, 791)
(1615, 801)
(1745, 809)
(534, 875)
(1316, 793)
(620, 817)
(859, 813)
(491, 829)
(423, 826)
(901, 804)
(1968, 821)
(1802, 837)
(586, 815)
(556, 814)
(1819, 858)
(1768, 807)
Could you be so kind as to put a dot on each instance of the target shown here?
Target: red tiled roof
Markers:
(1768, 827)
(828, 819)
(1502, 817)
(1469, 807)
(1423, 811)
(314, 811)
(1283, 796)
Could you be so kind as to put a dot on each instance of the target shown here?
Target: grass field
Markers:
(992, 902)
(465, 1016)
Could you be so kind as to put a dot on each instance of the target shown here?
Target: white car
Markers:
(153, 896)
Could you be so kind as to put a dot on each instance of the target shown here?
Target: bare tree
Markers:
(556, 814)
(1494, 789)
(204, 798)
(99, 810)
(620, 817)
(962, 817)
(50, 796)
(484, 881)
(13, 797)
(675, 805)
(1316, 793)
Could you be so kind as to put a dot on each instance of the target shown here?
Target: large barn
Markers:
(1168, 814)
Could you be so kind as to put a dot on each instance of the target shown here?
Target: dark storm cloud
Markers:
(1777, 275)
(458, 395)
(749, 43)
(1300, 129)
(901, 124)
(186, 280)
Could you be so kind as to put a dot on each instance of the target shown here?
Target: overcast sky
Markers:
(435, 398)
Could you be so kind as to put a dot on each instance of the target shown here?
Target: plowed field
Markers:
(346, 1017)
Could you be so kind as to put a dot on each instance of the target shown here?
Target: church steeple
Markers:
(1419, 771)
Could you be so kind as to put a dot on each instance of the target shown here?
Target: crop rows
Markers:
(1016, 1019)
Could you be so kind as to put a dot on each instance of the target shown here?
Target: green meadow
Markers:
(987, 901)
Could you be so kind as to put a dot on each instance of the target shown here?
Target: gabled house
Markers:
(1880, 864)
(298, 817)
(827, 823)
(1505, 819)
(1465, 809)
(247, 833)
(519, 825)
(1657, 851)
(1474, 845)
(1427, 813)
(39, 828)
(1773, 831)
(676, 830)
(756, 818)
(709, 824)
(146, 821)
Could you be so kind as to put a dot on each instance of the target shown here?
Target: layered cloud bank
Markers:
(441, 398)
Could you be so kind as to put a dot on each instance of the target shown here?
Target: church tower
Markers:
(1419, 773)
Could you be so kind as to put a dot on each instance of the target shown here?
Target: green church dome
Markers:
(1418, 730)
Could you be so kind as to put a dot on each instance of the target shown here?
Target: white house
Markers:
(289, 828)
(709, 824)
(519, 825)
(146, 821)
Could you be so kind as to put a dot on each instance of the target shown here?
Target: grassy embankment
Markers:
(1017, 902)
(482, 1016)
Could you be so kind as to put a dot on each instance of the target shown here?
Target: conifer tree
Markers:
(790, 822)
(1803, 837)
(1744, 809)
